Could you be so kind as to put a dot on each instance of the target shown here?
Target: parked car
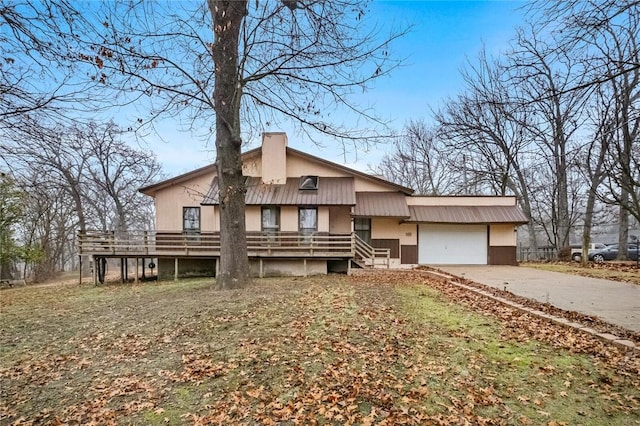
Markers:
(576, 251)
(611, 253)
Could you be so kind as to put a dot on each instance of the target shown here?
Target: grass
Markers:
(326, 350)
(616, 271)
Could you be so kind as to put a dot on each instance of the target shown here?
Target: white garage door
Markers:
(440, 244)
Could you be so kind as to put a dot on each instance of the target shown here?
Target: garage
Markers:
(452, 244)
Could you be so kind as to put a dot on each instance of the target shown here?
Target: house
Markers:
(306, 215)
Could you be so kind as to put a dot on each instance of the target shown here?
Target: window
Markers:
(308, 182)
(270, 219)
(308, 220)
(191, 220)
(362, 226)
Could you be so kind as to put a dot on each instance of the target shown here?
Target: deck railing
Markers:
(370, 256)
(175, 243)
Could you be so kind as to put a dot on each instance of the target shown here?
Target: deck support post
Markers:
(80, 269)
(217, 266)
(305, 266)
(175, 269)
(95, 270)
(135, 274)
(261, 268)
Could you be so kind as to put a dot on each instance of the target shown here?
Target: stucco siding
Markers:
(383, 228)
(289, 218)
(297, 167)
(252, 166)
(253, 218)
(502, 235)
(170, 201)
(323, 219)
(364, 185)
(340, 220)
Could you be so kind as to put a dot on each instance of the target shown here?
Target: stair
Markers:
(368, 257)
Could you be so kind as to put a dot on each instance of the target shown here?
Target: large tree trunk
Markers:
(234, 262)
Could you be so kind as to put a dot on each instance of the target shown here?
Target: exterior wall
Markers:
(323, 219)
(340, 220)
(502, 255)
(252, 166)
(297, 167)
(400, 238)
(502, 244)
(364, 185)
(502, 235)
(289, 218)
(253, 218)
(461, 201)
(385, 228)
(170, 201)
(274, 158)
(213, 217)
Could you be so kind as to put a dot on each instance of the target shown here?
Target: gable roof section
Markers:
(392, 186)
(332, 191)
(467, 214)
(389, 204)
(211, 168)
(153, 188)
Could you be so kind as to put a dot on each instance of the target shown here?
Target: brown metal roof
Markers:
(467, 214)
(331, 191)
(390, 204)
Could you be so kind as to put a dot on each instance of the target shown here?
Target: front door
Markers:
(362, 227)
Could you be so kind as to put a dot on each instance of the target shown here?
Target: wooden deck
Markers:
(207, 244)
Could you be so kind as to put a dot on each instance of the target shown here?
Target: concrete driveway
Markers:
(612, 301)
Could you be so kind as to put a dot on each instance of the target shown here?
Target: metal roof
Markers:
(390, 204)
(332, 191)
(467, 214)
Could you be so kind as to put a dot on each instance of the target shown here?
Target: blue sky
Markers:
(446, 34)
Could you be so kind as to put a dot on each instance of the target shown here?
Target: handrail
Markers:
(370, 254)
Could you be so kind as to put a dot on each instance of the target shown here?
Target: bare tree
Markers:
(419, 161)
(487, 125)
(11, 208)
(37, 76)
(115, 172)
(75, 176)
(577, 23)
(619, 42)
(592, 158)
(268, 62)
(606, 33)
(544, 73)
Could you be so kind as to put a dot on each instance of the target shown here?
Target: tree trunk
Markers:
(596, 180)
(623, 228)
(234, 263)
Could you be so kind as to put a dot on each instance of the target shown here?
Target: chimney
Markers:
(274, 158)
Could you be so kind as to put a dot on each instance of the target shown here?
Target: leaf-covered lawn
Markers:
(380, 348)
